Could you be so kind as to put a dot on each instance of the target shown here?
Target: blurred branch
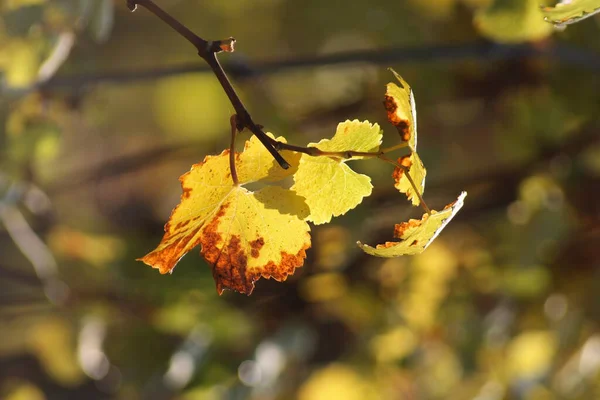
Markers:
(567, 55)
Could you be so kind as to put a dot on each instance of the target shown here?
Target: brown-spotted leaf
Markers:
(416, 234)
(244, 235)
(402, 113)
(399, 104)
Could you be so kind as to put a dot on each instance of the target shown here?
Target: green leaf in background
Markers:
(570, 11)
(513, 21)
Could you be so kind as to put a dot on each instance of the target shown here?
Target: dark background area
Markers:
(102, 110)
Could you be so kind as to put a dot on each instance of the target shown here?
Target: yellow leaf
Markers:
(402, 113)
(416, 234)
(401, 110)
(570, 11)
(330, 187)
(244, 235)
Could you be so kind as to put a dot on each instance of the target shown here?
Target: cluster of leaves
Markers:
(248, 234)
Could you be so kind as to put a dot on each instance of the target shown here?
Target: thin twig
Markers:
(233, 120)
(208, 52)
(347, 154)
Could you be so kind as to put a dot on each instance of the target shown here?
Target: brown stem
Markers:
(348, 154)
(410, 180)
(208, 52)
(234, 124)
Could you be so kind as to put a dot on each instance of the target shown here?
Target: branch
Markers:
(486, 52)
(208, 52)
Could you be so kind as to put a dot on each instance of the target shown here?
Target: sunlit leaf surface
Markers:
(244, 234)
(416, 234)
(331, 187)
(571, 11)
(402, 113)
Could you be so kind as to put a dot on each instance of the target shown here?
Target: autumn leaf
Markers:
(244, 235)
(330, 187)
(416, 234)
(570, 11)
(402, 113)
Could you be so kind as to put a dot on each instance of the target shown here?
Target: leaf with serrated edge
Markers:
(244, 235)
(402, 113)
(566, 13)
(416, 234)
(330, 187)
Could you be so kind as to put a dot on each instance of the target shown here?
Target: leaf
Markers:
(402, 113)
(401, 110)
(513, 21)
(331, 187)
(244, 235)
(416, 234)
(570, 11)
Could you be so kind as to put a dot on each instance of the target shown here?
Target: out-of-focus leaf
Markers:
(530, 354)
(330, 187)
(570, 11)
(18, 21)
(402, 113)
(53, 343)
(416, 234)
(25, 391)
(337, 382)
(19, 61)
(513, 21)
(191, 106)
(244, 234)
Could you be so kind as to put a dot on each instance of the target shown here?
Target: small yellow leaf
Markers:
(571, 11)
(416, 234)
(401, 110)
(402, 113)
(244, 235)
(330, 187)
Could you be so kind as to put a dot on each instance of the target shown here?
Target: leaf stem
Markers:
(410, 179)
(348, 154)
(208, 52)
(234, 124)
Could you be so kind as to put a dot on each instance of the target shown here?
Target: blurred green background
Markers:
(101, 110)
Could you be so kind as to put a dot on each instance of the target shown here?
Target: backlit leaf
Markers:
(571, 11)
(244, 235)
(416, 234)
(402, 113)
(331, 187)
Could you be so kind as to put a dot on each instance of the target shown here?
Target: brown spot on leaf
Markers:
(287, 265)
(403, 125)
(400, 229)
(187, 192)
(398, 172)
(256, 245)
(182, 224)
(230, 269)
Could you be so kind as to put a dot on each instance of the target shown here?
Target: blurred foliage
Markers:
(504, 305)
